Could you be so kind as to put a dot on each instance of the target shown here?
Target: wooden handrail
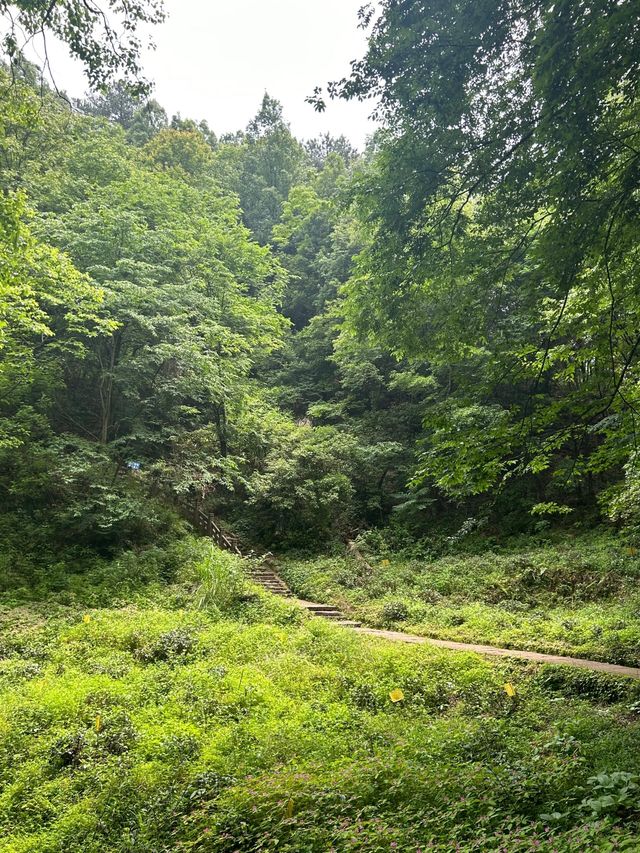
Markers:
(207, 525)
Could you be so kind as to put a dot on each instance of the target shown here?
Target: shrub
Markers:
(394, 611)
(219, 578)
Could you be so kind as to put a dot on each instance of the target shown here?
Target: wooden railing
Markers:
(208, 526)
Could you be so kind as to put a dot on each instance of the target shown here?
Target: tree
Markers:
(48, 310)
(202, 127)
(145, 354)
(261, 166)
(123, 104)
(323, 146)
(180, 149)
(501, 205)
(105, 49)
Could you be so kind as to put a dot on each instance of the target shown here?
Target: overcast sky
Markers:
(215, 59)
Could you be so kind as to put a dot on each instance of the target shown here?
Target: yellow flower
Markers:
(396, 695)
(509, 689)
(98, 723)
(385, 563)
(86, 618)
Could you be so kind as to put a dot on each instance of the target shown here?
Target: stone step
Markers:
(334, 616)
(269, 577)
(322, 608)
(270, 582)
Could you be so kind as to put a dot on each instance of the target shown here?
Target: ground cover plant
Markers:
(574, 594)
(185, 721)
(321, 347)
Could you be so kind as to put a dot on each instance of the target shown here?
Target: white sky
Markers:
(215, 59)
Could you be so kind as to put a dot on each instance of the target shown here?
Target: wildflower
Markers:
(396, 695)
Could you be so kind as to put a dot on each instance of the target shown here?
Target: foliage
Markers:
(291, 333)
(105, 48)
(147, 352)
(500, 198)
(162, 726)
(48, 310)
(261, 166)
(141, 118)
(576, 597)
(219, 580)
(314, 483)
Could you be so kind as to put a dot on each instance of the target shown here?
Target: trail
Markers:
(271, 581)
(582, 663)
(267, 577)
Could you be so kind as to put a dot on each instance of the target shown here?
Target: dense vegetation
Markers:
(274, 324)
(567, 595)
(428, 350)
(152, 723)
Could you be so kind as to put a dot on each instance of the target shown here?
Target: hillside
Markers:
(242, 724)
(399, 384)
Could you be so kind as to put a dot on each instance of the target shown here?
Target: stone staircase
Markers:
(266, 576)
(264, 573)
(325, 611)
(269, 580)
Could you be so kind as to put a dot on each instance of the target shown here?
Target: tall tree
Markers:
(101, 35)
(503, 206)
(262, 165)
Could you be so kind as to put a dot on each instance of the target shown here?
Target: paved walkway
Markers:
(267, 577)
(539, 657)
(598, 666)
(400, 637)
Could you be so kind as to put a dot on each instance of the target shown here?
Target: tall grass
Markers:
(220, 580)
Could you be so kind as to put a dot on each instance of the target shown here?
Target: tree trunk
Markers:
(106, 389)
(221, 429)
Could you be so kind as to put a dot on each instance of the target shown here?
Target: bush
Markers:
(149, 727)
(394, 611)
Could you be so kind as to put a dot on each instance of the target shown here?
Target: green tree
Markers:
(142, 118)
(501, 207)
(101, 35)
(262, 166)
(48, 311)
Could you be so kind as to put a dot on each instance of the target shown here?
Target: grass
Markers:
(182, 722)
(576, 596)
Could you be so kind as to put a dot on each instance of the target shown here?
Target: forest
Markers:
(404, 379)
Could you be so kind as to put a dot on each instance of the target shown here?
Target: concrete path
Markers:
(400, 637)
(598, 666)
(267, 577)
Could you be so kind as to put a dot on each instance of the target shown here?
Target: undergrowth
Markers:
(205, 715)
(575, 595)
